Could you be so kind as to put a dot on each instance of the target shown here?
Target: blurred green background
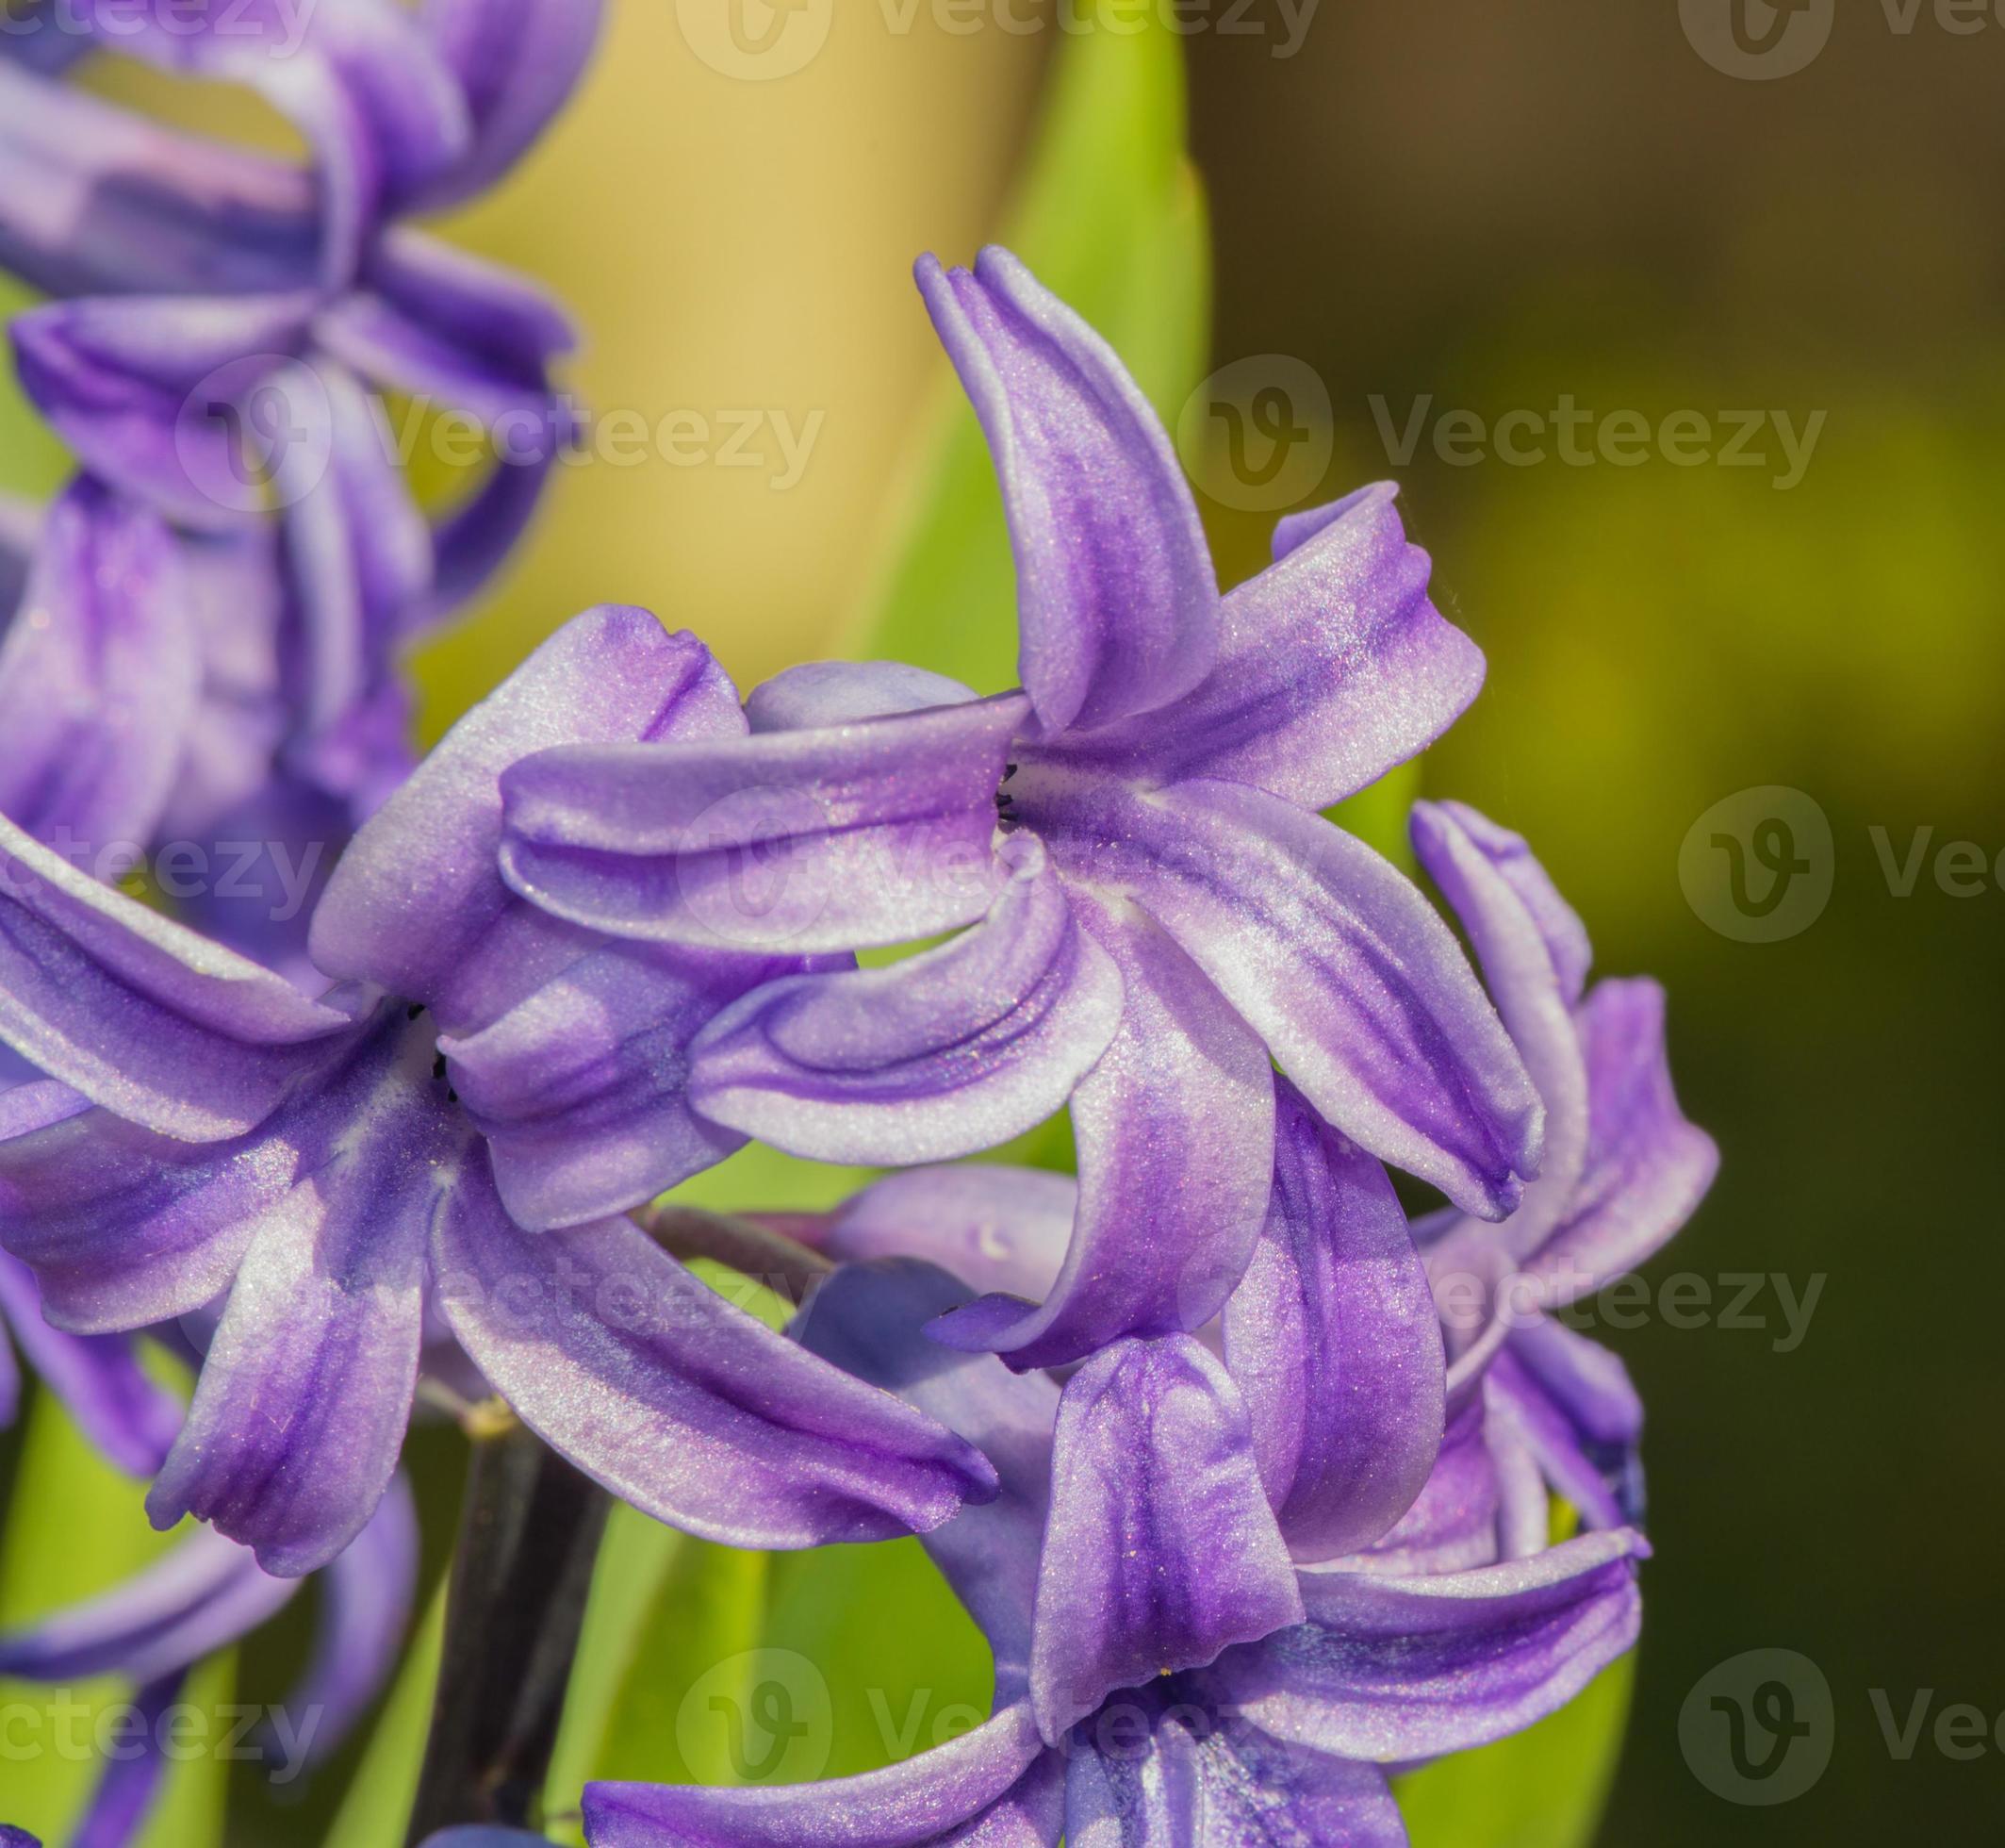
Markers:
(1486, 206)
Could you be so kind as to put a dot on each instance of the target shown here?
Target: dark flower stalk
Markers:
(529, 1537)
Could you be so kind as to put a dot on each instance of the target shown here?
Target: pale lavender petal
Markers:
(102, 200)
(945, 1798)
(301, 1409)
(124, 1229)
(99, 676)
(877, 832)
(149, 392)
(1197, 1780)
(517, 61)
(1333, 1342)
(1513, 862)
(1161, 1549)
(953, 1050)
(438, 325)
(1174, 1127)
(823, 693)
(1453, 1522)
(1335, 959)
(990, 1227)
(1486, 874)
(677, 1401)
(1118, 602)
(146, 1017)
(868, 1319)
(356, 549)
(132, 1421)
(418, 888)
(377, 103)
(1532, 1422)
(583, 1089)
(1583, 1376)
(1647, 1168)
(1395, 1669)
(197, 1599)
(1333, 667)
(367, 1596)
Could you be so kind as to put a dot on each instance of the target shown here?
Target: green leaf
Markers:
(1111, 216)
(103, 1535)
(1544, 1787)
(378, 1805)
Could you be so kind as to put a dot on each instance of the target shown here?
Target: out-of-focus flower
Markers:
(1532, 1404)
(225, 325)
(1163, 1669)
(456, 1128)
(205, 1595)
(1165, 908)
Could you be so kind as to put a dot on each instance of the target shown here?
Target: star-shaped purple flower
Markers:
(445, 1143)
(1165, 1672)
(1160, 913)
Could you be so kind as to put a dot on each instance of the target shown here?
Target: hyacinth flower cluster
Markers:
(207, 626)
(1251, 1504)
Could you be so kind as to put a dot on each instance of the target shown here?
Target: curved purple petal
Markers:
(877, 832)
(1174, 1127)
(1336, 960)
(990, 1226)
(199, 1598)
(1491, 880)
(367, 1598)
(818, 694)
(105, 203)
(1394, 1669)
(305, 1393)
(955, 1049)
(1453, 1524)
(127, 1785)
(1647, 1168)
(1533, 1423)
(140, 1015)
(868, 1319)
(517, 61)
(1333, 1342)
(676, 1400)
(994, 1787)
(148, 390)
(582, 1088)
(1186, 1778)
(1162, 1550)
(1333, 667)
(1118, 602)
(418, 888)
(99, 676)
(130, 1420)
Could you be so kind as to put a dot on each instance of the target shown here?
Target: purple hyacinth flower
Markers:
(225, 324)
(1160, 912)
(1163, 1672)
(455, 1130)
(204, 1597)
(1533, 1403)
